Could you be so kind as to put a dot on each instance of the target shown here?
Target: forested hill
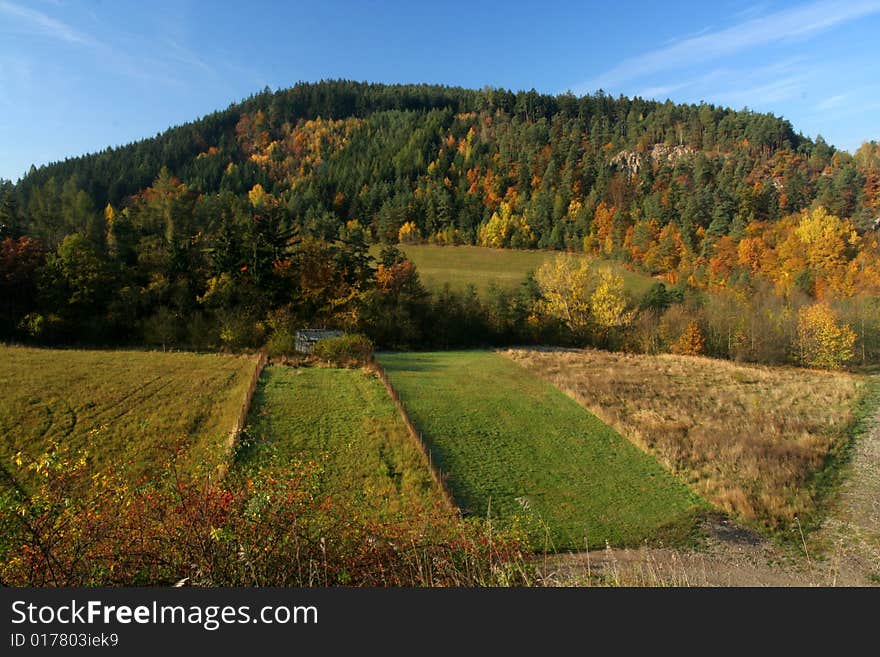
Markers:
(446, 158)
(221, 216)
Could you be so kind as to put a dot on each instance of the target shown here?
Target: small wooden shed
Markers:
(306, 338)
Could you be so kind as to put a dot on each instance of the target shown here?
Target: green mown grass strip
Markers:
(508, 440)
(344, 420)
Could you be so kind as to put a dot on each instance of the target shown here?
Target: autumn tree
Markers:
(822, 340)
(396, 310)
(603, 229)
(20, 260)
(409, 233)
(506, 228)
(258, 196)
(666, 253)
(608, 305)
(829, 242)
(565, 286)
(691, 342)
(165, 208)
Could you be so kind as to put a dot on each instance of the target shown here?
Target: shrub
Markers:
(267, 529)
(201, 332)
(281, 343)
(44, 328)
(345, 351)
(162, 328)
(239, 331)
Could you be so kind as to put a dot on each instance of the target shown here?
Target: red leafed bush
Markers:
(78, 529)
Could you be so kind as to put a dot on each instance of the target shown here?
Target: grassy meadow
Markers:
(344, 420)
(131, 409)
(750, 439)
(460, 266)
(516, 447)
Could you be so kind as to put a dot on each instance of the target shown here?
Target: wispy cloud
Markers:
(694, 35)
(787, 25)
(832, 102)
(769, 92)
(43, 24)
(751, 11)
(775, 81)
(839, 108)
(177, 52)
(662, 91)
(136, 56)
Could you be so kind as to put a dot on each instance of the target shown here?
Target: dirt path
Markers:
(845, 551)
(851, 533)
(731, 557)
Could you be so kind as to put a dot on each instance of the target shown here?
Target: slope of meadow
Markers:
(750, 439)
(345, 422)
(327, 487)
(460, 266)
(514, 446)
(130, 409)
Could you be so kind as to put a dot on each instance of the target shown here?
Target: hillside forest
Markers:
(232, 231)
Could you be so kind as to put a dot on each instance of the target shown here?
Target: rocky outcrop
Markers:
(632, 161)
(628, 161)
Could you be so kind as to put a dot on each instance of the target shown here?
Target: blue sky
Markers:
(79, 75)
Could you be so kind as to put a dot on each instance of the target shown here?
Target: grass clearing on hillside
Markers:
(748, 438)
(514, 445)
(481, 266)
(344, 420)
(124, 408)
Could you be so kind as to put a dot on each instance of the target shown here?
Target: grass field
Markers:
(122, 407)
(345, 420)
(514, 444)
(507, 268)
(748, 438)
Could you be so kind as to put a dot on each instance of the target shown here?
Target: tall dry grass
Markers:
(747, 438)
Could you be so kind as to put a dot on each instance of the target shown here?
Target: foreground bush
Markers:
(281, 343)
(263, 530)
(345, 350)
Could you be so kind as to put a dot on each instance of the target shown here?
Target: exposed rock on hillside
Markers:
(632, 161)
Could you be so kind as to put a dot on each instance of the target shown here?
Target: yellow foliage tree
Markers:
(828, 239)
(496, 231)
(409, 233)
(505, 228)
(257, 195)
(608, 302)
(565, 290)
(823, 342)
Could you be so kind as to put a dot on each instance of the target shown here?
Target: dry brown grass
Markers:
(747, 438)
